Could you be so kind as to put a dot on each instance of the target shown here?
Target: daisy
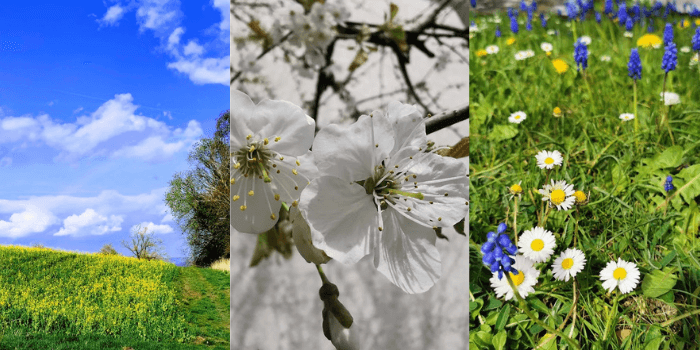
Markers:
(626, 116)
(551, 32)
(559, 194)
(517, 117)
(586, 40)
(621, 274)
(269, 143)
(568, 264)
(537, 244)
(524, 280)
(491, 49)
(605, 58)
(520, 55)
(670, 98)
(694, 60)
(379, 193)
(685, 49)
(546, 47)
(547, 159)
(628, 34)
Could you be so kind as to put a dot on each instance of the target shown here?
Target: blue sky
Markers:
(100, 103)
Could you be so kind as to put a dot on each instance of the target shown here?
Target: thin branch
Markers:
(406, 78)
(431, 20)
(263, 53)
(445, 119)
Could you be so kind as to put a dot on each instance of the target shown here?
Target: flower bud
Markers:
(301, 233)
(341, 337)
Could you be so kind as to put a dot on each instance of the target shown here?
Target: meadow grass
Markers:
(222, 265)
(92, 301)
(629, 215)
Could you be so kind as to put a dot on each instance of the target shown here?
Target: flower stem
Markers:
(663, 98)
(515, 221)
(636, 117)
(527, 311)
(481, 318)
(546, 215)
(320, 273)
(610, 316)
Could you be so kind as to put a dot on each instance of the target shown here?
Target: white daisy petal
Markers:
(342, 218)
(524, 283)
(537, 244)
(406, 254)
(621, 274)
(568, 264)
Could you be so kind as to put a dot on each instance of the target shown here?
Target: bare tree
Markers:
(144, 245)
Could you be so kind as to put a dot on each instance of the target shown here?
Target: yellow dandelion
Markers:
(515, 189)
(649, 40)
(481, 53)
(549, 53)
(510, 41)
(580, 197)
(560, 66)
(556, 112)
(697, 22)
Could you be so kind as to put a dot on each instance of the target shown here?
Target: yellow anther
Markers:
(295, 203)
(294, 171)
(278, 171)
(277, 197)
(236, 197)
(248, 137)
(237, 165)
(243, 207)
(439, 219)
(252, 148)
(380, 228)
(266, 141)
(233, 181)
(251, 193)
(414, 176)
(298, 162)
(273, 216)
(277, 139)
(281, 158)
(409, 208)
(296, 188)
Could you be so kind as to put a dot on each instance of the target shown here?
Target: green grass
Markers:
(61, 300)
(629, 215)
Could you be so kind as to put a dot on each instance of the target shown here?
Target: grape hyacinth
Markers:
(696, 40)
(668, 33)
(528, 27)
(670, 58)
(668, 185)
(597, 17)
(514, 25)
(580, 55)
(523, 5)
(608, 7)
(629, 25)
(498, 31)
(494, 256)
(622, 13)
(634, 66)
(543, 20)
(473, 3)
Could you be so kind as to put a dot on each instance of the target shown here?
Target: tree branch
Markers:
(445, 119)
(263, 53)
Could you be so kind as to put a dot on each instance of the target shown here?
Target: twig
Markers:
(445, 119)
(263, 53)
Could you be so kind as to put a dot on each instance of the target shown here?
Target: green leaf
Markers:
(654, 343)
(551, 344)
(668, 258)
(619, 179)
(670, 158)
(659, 282)
(499, 340)
(691, 186)
(503, 317)
(503, 132)
(394, 11)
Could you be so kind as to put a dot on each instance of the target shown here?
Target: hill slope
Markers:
(62, 300)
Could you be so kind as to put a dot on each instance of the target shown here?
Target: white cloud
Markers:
(174, 38)
(192, 48)
(51, 103)
(113, 15)
(151, 227)
(152, 149)
(158, 15)
(16, 123)
(224, 8)
(168, 218)
(32, 220)
(89, 223)
(77, 110)
(5, 161)
(204, 71)
(168, 114)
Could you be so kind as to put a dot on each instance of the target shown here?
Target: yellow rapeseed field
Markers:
(43, 290)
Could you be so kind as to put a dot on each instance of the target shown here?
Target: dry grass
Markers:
(222, 264)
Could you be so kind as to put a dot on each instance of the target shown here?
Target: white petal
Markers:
(409, 128)
(242, 108)
(341, 216)
(406, 254)
(437, 176)
(287, 184)
(341, 337)
(288, 122)
(302, 239)
(257, 216)
(350, 152)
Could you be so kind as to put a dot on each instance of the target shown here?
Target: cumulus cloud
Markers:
(90, 223)
(90, 132)
(32, 219)
(192, 48)
(158, 15)
(204, 71)
(151, 227)
(112, 17)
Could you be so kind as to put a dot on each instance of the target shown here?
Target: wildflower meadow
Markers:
(585, 130)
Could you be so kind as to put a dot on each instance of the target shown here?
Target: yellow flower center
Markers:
(517, 117)
(619, 273)
(516, 189)
(510, 41)
(537, 244)
(517, 279)
(549, 53)
(567, 263)
(557, 197)
(580, 196)
(549, 160)
(481, 53)
(557, 111)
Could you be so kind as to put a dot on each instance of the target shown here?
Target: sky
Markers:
(100, 104)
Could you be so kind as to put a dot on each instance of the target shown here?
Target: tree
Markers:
(144, 245)
(108, 249)
(199, 198)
